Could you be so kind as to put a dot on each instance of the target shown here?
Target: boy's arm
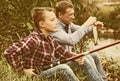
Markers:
(61, 51)
(16, 53)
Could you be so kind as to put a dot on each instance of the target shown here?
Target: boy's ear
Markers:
(41, 24)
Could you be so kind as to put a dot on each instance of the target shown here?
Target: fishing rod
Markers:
(92, 51)
(80, 55)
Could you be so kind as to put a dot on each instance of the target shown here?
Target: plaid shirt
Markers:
(34, 51)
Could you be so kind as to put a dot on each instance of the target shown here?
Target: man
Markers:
(39, 49)
(65, 14)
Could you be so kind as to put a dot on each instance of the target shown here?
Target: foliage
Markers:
(83, 9)
(15, 20)
(16, 23)
(112, 19)
(112, 68)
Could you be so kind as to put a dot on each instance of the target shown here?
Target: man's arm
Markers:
(61, 51)
(64, 54)
(70, 39)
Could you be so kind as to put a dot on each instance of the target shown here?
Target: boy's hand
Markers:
(80, 60)
(29, 72)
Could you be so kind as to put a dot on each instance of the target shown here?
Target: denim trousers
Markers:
(92, 69)
(63, 70)
(99, 66)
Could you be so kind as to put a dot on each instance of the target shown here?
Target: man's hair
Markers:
(38, 14)
(61, 6)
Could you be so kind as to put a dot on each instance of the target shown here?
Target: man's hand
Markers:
(90, 21)
(99, 25)
(29, 72)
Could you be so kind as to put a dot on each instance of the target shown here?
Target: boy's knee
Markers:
(64, 67)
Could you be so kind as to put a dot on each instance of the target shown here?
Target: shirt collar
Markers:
(61, 23)
(42, 35)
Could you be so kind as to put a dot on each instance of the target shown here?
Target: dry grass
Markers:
(111, 67)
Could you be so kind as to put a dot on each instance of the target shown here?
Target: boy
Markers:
(39, 48)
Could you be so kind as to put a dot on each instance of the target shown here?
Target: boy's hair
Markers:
(38, 14)
(61, 6)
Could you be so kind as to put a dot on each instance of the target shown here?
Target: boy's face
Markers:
(50, 22)
(68, 16)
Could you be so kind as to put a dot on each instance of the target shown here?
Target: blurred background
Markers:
(16, 23)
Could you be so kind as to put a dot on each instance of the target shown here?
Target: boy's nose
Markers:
(73, 17)
(56, 22)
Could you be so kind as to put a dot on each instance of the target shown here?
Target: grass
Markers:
(112, 68)
(7, 74)
(110, 65)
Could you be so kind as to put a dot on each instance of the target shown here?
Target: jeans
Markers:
(92, 68)
(63, 70)
(98, 64)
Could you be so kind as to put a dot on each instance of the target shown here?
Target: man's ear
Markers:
(60, 15)
(41, 24)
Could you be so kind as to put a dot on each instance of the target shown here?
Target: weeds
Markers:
(112, 69)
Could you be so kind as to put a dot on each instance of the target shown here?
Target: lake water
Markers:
(113, 51)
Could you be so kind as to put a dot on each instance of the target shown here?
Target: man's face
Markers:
(68, 16)
(50, 22)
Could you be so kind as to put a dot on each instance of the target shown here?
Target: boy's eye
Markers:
(52, 20)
